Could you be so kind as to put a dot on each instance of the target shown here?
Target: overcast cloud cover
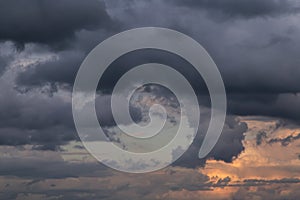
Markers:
(255, 44)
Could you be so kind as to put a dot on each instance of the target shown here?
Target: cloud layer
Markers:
(255, 44)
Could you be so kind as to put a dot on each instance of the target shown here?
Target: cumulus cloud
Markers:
(228, 147)
(254, 43)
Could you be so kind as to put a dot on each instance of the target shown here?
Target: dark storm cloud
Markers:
(47, 139)
(33, 117)
(228, 147)
(47, 21)
(276, 105)
(244, 8)
(46, 122)
(3, 64)
(5, 57)
(257, 60)
(252, 55)
(34, 113)
(251, 67)
(104, 112)
(61, 70)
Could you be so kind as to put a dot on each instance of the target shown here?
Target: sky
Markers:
(254, 43)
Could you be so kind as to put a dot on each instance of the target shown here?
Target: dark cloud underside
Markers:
(243, 8)
(255, 44)
(47, 21)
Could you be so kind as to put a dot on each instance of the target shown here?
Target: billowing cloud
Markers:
(228, 147)
(258, 62)
(255, 45)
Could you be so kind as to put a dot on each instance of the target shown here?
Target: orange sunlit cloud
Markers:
(264, 161)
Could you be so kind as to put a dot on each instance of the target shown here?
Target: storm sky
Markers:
(255, 44)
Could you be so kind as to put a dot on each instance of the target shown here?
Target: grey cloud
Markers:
(104, 112)
(243, 8)
(61, 70)
(46, 21)
(5, 57)
(47, 122)
(47, 138)
(228, 147)
(116, 185)
(44, 168)
(276, 105)
(3, 64)
(34, 118)
(245, 51)
(258, 65)
(230, 143)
